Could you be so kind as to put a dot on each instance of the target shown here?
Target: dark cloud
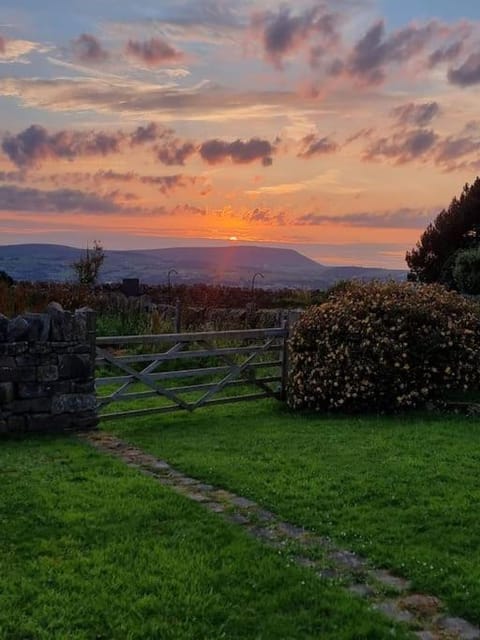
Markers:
(466, 74)
(396, 219)
(154, 52)
(313, 145)
(375, 50)
(283, 33)
(403, 147)
(147, 133)
(364, 133)
(418, 115)
(445, 54)
(188, 209)
(35, 144)
(164, 184)
(239, 152)
(265, 216)
(174, 151)
(87, 48)
(14, 198)
(451, 148)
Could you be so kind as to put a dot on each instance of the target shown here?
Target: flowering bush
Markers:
(384, 347)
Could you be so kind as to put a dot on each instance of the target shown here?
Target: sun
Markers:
(233, 238)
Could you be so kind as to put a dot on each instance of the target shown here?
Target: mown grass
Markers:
(94, 550)
(402, 491)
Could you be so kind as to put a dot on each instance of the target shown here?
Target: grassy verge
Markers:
(401, 491)
(94, 550)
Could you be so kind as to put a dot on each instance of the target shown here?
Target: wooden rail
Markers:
(238, 365)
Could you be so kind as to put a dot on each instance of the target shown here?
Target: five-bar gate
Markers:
(169, 372)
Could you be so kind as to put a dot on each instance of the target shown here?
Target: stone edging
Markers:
(425, 615)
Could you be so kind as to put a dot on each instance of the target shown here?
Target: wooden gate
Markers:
(244, 365)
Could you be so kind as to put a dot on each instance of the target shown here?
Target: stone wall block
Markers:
(7, 374)
(17, 329)
(47, 373)
(85, 421)
(73, 366)
(3, 327)
(7, 393)
(73, 403)
(32, 405)
(61, 323)
(39, 326)
(28, 390)
(46, 423)
(16, 424)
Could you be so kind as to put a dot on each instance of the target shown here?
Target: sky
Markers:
(338, 128)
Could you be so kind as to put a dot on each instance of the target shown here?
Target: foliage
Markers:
(402, 491)
(457, 227)
(87, 267)
(384, 347)
(466, 271)
(6, 279)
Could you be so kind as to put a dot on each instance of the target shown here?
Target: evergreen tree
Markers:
(454, 229)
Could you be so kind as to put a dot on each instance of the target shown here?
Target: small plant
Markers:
(88, 266)
(384, 347)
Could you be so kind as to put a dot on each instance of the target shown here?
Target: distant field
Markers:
(402, 491)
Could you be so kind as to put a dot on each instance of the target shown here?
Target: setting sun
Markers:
(233, 238)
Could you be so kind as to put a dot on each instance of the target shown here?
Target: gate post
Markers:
(286, 327)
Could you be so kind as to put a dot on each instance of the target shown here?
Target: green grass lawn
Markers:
(402, 491)
(93, 550)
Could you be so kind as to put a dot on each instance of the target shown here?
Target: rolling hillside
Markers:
(233, 265)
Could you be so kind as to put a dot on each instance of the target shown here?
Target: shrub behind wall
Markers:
(384, 347)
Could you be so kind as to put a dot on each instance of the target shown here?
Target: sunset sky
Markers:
(339, 128)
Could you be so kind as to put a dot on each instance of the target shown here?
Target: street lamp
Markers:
(170, 282)
(253, 282)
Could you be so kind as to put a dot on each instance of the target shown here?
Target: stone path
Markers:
(425, 615)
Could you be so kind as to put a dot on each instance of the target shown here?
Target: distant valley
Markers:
(230, 265)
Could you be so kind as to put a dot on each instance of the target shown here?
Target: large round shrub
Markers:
(384, 347)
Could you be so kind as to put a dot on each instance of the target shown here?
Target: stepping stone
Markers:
(460, 627)
(421, 604)
(391, 609)
(197, 497)
(389, 580)
(361, 590)
(347, 560)
(205, 487)
(243, 503)
(291, 530)
(216, 507)
(264, 515)
(427, 635)
(237, 518)
(186, 481)
(305, 562)
(160, 465)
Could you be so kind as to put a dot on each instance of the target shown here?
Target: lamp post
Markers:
(253, 283)
(170, 282)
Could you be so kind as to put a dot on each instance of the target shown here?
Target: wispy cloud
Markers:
(397, 219)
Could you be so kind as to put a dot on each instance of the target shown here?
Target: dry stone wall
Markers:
(47, 371)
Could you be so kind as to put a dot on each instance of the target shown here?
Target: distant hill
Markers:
(233, 265)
